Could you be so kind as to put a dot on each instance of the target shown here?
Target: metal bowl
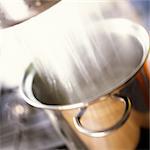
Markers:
(17, 11)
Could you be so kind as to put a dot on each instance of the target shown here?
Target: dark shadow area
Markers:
(144, 140)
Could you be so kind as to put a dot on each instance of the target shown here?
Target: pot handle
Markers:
(106, 131)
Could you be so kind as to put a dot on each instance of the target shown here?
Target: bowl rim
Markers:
(26, 86)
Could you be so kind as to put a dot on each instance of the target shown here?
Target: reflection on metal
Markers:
(104, 132)
(64, 130)
(79, 76)
(104, 67)
(13, 12)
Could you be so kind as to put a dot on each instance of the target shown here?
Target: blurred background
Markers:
(23, 127)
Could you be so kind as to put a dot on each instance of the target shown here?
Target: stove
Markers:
(24, 127)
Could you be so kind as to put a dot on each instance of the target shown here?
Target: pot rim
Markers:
(26, 86)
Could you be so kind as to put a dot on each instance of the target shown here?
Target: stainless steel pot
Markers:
(17, 11)
(93, 73)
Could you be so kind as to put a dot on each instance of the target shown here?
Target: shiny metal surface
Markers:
(104, 132)
(13, 12)
(64, 130)
(80, 75)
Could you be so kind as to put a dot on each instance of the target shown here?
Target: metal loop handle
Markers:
(106, 131)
